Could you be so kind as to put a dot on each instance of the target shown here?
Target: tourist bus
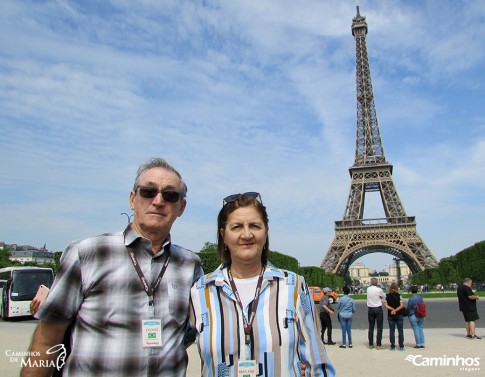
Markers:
(18, 286)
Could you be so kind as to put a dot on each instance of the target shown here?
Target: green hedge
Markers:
(314, 276)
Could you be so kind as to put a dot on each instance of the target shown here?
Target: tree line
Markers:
(314, 276)
(468, 263)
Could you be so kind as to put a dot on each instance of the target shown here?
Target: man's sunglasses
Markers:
(149, 192)
(234, 197)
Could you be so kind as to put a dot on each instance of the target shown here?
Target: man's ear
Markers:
(183, 204)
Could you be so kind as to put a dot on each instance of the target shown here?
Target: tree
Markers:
(381, 273)
(447, 271)
(429, 276)
(57, 258)
(5, 257)
(317, 277)
(208, 256)
(284, 261)
(5, 261)
(471, 262)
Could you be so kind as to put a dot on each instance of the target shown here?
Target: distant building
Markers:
(36, 256)
(404, 272)
(14, 246)
(358, 271)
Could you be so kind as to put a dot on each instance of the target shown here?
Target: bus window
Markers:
(26, 283)
(18, 286)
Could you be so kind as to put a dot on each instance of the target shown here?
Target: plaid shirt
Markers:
(284, 332)
(98, 287)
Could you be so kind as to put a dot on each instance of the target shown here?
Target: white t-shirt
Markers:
(375, 296)
(246, 288)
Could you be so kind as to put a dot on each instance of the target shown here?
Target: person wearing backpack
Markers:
(417, 313)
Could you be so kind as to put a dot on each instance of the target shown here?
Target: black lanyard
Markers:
(149, 289)
(248, 324)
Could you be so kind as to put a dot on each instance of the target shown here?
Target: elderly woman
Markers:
(394, 304)
(251, 317)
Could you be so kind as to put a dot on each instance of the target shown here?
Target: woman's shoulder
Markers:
(216, 275)
(281, 273)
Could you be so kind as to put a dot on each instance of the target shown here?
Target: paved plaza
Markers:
(449, 352)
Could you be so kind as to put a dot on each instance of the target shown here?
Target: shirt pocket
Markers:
(178, 296)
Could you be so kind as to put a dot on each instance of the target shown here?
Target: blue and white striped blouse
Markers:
(284, 332)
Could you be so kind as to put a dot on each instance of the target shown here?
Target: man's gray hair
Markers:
(466, 280)
(158, 162)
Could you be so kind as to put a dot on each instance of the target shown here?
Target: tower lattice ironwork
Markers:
(355, 236)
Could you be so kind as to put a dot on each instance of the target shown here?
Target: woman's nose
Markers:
(246, 233)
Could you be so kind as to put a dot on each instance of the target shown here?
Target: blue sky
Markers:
(239, 96)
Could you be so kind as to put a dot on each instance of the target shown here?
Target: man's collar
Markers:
(132, 235)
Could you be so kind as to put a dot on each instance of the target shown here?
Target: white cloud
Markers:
(239, 96)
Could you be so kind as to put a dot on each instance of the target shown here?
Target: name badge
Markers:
(151, 332)
(247, 368)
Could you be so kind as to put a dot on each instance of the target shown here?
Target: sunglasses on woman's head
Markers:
(234, 197)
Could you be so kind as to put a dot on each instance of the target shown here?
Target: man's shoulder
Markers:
(463, 289)
(174, 248)
(374, 288)
(184, 254)
(107, 240)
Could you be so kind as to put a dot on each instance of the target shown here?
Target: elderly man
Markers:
(325, 312)
(126, 293)
(375, 297)
(467, 303)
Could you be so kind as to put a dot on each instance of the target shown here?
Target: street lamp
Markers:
(128, 216)
(398, 271)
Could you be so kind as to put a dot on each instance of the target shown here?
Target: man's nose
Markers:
(158, 200)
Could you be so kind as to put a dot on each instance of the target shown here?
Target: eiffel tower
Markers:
(396, 233)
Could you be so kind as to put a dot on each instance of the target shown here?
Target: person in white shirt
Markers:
(375, 297)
